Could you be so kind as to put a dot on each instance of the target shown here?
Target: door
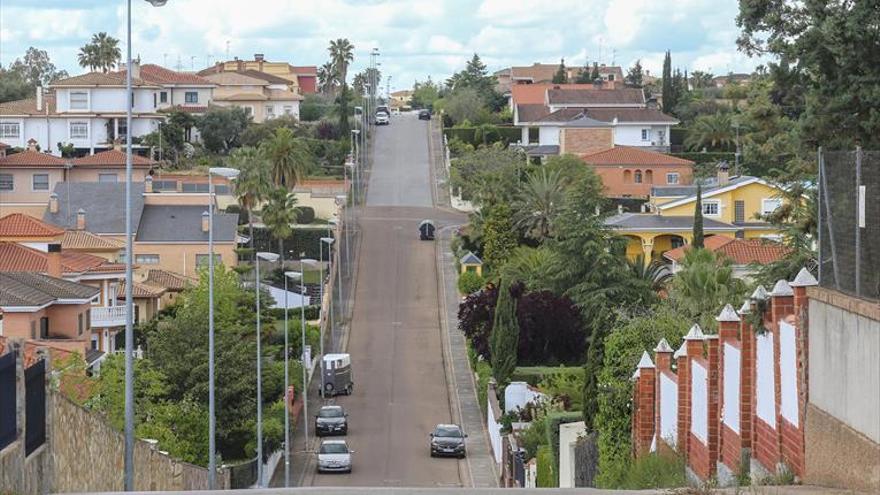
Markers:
(44, 327)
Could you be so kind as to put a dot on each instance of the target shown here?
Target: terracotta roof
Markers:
(305, 70)
(81, 239)
(30, 158)
(35, 289)
(230, 78)
(182, 108)
(740, 251)
(629, 155)
(242, 97)
(535, 94)
(18, 258)
(545, 72)
(531, 113)
(21, 225)
(111, 158)
(99, 79)
(156, 74)
(269, 78)
(140, 291)
(622, 96)
(28, 106)
(169, 280)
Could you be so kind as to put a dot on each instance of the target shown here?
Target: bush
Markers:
(469, 282)
(533, 375)
(655, 471)
(305, 214)
(484, 372)
(301, 240)
(484, 134)
(546, 471)
(533, 437)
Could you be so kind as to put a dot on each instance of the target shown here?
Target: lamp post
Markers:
(270, 257)
(303, 262)
(128, 455)
(346, 225)
(356, 171)
(287, 275)
(334, 222)
(229, 173)
(329, 242)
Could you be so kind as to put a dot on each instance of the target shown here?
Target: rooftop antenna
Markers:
(613, 56)
(179, 64)
(208, 60)
(600, 48)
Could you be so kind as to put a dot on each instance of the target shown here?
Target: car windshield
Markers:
(334, 448)
(331, 412)
(447, 432)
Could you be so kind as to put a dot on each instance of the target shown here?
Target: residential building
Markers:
(303, 79)
(176, 90)
(732, 78)
(745, 255)
(650, 235)
(402, 99)
(263, 96)
(630, 172)
(543, 73)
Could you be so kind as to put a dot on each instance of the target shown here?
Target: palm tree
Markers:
(254, 182)
(359, 83)
(341, 54)
(538, 202)
(288, 157)
(327, 78)
(714, 132)
(278, 214)
(655, 274)
(102, 52)
(704, 285)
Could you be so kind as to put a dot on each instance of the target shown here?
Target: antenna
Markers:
(227, 49)
(164, 60)
(613, 56)
(192, 63)
(208, 60)
(600, 48)
(179, 64)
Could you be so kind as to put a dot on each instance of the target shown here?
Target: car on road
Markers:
(382, 118)
(424, 115)
(337, 375)
(426, 230)
(331, 420)
(448, 440)
(334, 456)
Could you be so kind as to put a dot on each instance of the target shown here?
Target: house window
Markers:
(146, 259)
(108, 178)
(649, 176)
(202, 259)
(711, 208)
(610, 77)
(121, 128)
(770, 205)
(10, 130)
(7, 183)
(81, 324)
(672, 178)
(248, 110)
(270, 111)
(164, 185)
(79, 100)
(646, 134)
(195, 187)
(33, 330)
(676, 242)
(163, 97)
(41, 182)
(191, 97)
(739, 211)
(79, 130)
(638, 177)
(288, 109)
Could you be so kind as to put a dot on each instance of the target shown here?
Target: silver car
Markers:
(334, 457)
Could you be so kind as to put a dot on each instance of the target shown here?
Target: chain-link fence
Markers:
(849, 222)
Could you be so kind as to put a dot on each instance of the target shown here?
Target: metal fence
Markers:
(7, 404)
(243, 475)
(849, 222)
(35, 406)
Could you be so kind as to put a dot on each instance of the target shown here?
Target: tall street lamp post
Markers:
(329, 242)
(303, 263)
(287, 397)
(271, 258)
(356, 170)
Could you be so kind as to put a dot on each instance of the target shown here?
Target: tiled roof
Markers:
(531, 112)
(630, 115)
(140, 291)
(184, 108)
(111, 158)
(21, 225)
(230, 78)
(711, 243)
(157, 74)
(35, 289)
(740, 251)
(99, 79)
(283, 94)
(651, 221)
(243, 97)
(19, 258)
(265, 76)
(572, 117)
(628, 155)
(30, 158)
(169, 280)
(535, 94)
(81, 239)
(305, 70)
(622, 96)
(28, 106)
(545, 72)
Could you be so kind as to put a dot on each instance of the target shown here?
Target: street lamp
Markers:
(303, 262)
(128, 455)
(287, 275)
(329, 242)
(356, 172)
(341, 202)
(229, 173)
(271, 258)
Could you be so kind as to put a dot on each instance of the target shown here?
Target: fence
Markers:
(849, 230)
(35, 406)
(732, 404)
(243, 475)
(7, 405)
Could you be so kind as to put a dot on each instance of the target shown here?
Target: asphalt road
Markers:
(400, 389)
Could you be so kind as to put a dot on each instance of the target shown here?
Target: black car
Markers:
(448, 440)
(331, 420)
(424, 115)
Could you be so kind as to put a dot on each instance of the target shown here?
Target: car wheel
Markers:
(348, 390)
(432, 454)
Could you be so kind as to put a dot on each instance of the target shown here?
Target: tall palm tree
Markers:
(254, 182)
(288, 156)
(714, 132)
(538, 203)
(341, 54)
(278, 214)
(327, 78)
(102, 52)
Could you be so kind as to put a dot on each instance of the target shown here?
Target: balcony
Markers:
(113, 316)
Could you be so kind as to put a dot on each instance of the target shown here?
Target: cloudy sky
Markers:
(416, 38)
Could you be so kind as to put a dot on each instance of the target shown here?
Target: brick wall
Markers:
(585, 140)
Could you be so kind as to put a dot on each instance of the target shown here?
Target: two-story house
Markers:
(537, 73)
(303, 79)
(263, 96)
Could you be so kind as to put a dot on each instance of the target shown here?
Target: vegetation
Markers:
(24, 74)
(101, 53)
(505, 332)
(470, 282)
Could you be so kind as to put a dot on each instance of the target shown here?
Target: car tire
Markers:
(433, 454)
(349, 389)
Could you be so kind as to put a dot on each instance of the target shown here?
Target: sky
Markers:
(416, 38)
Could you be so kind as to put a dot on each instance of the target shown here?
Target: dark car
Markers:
(426, 230)
(448, 440)
(331, 420)
(424, 115)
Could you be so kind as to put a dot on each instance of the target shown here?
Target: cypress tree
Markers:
(561, 77)
(595, 74)
(505, 333)
(698, 220)
(668, 97)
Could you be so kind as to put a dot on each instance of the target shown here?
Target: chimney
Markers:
(81, 219)
(32, 145)
(206, 219)
(148, 184)
(53, 260)
(723, 173)
(53, 203)
(136, 69)
(39, 98)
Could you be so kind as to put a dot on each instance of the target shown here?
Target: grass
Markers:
(655, 471)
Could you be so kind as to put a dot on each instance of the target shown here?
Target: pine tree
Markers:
(634, 76)
(505, 332)
(561, 77)
(668, 96)
(595, 74)
(698, 220)
(583, 76)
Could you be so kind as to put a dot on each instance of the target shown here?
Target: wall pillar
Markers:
(646, 383)
(729, 442)
(781, 306)
(663, 356)
(714, 413)
(684, 397)
(647, 250)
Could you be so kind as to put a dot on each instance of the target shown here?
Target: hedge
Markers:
(553, 420)
(302, 240)
(493, 134)
(707, 157)
(533, 375)
(484, 372)
(546, 472)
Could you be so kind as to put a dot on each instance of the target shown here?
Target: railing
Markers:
(109, 316)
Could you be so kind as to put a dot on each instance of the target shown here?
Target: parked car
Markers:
(331, 420)
(424, 115)
(383, 108)
(382, 118)
(426, 230)
(334, 456)
(448, 440)
(337, 375)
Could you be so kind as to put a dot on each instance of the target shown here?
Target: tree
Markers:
(700, 79)
(221, 128)
(358, 84)
(470, 282)
(101, 53)
(341, 55)
(635, 75)
(327, 78)
(561, 76)
(499, 238)
(488, 175)
(288, 157)
(425, 94)
(13, 86)
(594, 75)
(254, 181)
(713, 132)
(531, 266)
(35, 69)
(475, 76)
(464, 105)
(583, 76)
(698, 219)
(551, 330)
(476, 315)
(278, 214)
(538, 202)
(505, 332)
(704, 285)
(342, 109)
(668, 91)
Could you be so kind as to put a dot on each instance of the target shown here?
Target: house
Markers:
(538, 73)
(263, 96)
(744, 254)
(182, 91)
(302, 80)
(172, 284)
(732, 78)
(650, 235)
(401, 99)
(630, 172)
(320, 195)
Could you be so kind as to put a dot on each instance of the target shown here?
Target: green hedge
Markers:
(488, 134)
(302, 240)
(484, 373)
(546, 468)
(533, 375)
(707, 157)
(553, 420)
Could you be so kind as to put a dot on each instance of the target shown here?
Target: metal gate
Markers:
(35, 406)
(7, 405)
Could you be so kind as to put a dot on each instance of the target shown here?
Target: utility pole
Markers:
(227, 49)
(192, 63)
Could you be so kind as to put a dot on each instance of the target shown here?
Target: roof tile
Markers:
(111, 158)
(18, 258)
(81, 239)
(21, 225)
(629, 155)
(31, 158)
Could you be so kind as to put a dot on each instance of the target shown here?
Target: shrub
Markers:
(655, 471)
(469, 282)
(484, 372)
(546, 471)
(305, 214)
(533, 437)
(534, 375)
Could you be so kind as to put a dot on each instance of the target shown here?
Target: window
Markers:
(194, 187)
(146, 259)
(646, 134)
(79, 130)
(33, 330)
(41, 182)
(739, 211)
(202, 259)
(79, 100)
(638, 177)
(81, 326)
(7, 183)
(163, 97)
(248, 110)
(649, 176)
(610, 77)
(770, 205)
(108, 178)
(164, 185)
(121, 128)
(191, 97)
(44, 327)
(627, 176)
(672, 178)
(676, 242)
(10, 130)
(270, 111)
(288, 109)
(711, 208)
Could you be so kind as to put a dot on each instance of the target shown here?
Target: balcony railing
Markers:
(113, 316)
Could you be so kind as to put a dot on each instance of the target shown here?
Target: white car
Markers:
(382, 118)
(334, 456)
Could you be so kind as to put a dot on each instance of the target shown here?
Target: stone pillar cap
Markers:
(645, 362)
(746, 307)
(727, 314)
(804, 279)
(695, 333)
(663, 346)
(760, 293)
(782, 289)
(682, 351)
